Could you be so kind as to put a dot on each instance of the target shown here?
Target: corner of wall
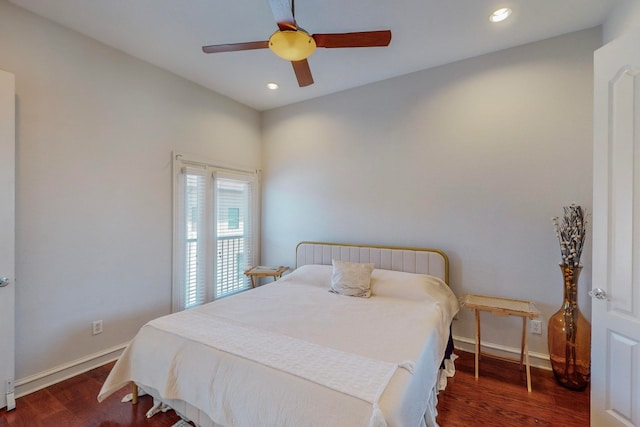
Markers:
(624, 17)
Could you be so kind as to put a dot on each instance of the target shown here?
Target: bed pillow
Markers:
(414, 287)
(398, 284)
(310, 274)
(351, 278)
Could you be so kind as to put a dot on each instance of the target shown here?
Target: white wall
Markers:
(95, 133)
(474, 157)
(624, 17)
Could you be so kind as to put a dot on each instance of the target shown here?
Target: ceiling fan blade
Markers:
(360, 39)
(303, 72)
(283, 14)
(234, 47)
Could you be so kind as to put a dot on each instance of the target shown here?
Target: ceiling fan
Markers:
(294, 44)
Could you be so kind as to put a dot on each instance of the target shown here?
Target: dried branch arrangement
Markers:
(571, 230)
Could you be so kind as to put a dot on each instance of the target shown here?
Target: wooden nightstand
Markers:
(261, 271)
(502, 307)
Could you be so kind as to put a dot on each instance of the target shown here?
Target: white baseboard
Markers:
(35, 382)
(537, 360)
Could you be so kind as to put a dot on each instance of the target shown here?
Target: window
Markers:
(234, 218)
(214, 231)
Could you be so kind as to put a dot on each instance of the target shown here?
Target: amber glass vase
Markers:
(569, 337)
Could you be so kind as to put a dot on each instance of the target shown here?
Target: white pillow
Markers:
(310, 274)
(351, 278)
(398, 284)
(415, 287)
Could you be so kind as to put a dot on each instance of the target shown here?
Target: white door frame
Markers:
(7, 237)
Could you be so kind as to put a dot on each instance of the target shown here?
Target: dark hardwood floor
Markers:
(498, 398)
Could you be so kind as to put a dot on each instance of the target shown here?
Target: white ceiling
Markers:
(425, 33)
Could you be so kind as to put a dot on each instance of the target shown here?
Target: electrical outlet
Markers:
(536, 327)
(96, 327)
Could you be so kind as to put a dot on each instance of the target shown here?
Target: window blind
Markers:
(214, 233)
(234, 233)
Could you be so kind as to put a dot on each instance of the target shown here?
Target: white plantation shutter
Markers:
(234, 232)
(214, 232)
(190, 238)
(195, 229)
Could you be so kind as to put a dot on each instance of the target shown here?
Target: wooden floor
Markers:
(498, 398)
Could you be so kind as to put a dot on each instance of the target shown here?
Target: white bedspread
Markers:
(180, 361)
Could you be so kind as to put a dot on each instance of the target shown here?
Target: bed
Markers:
(292, 353)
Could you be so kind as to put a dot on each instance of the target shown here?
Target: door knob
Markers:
(598, 293)
(4, 281)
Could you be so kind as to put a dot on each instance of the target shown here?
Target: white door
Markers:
(615, 375)
(7, 232)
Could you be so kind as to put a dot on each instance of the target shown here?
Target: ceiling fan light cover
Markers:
(292, 45)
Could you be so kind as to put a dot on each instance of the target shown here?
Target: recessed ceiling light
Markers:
(272, 85)
(500, 14)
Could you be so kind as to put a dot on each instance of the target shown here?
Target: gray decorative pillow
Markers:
(351, 278)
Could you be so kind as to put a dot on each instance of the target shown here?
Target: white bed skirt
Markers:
(200, 419)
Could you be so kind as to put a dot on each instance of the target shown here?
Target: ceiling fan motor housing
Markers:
(292, 45)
